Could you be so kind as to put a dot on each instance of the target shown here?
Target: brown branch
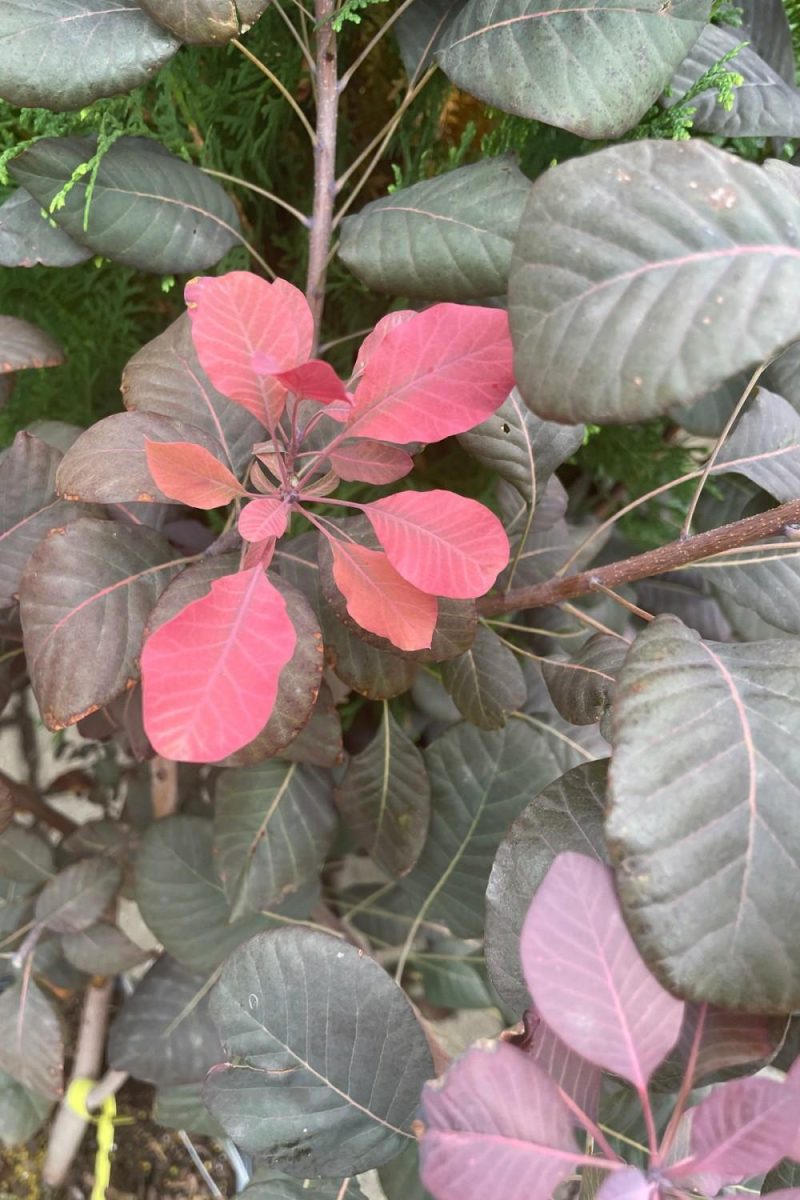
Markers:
(28, 800)
(163, 787)
(68, 1128)
(643, 566)
(324, 160)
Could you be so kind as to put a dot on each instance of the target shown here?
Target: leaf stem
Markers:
(245, 183)
(642, 566)
(282, 88)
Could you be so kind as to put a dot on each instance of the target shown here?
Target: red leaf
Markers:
(587, 978)
(313, 380)
(191, 474)
(441, 372)
(496, 1129)
(380, 600)
(440, 542)
(210, 675)
(741, 1129)
(239, 315)
(371, 462)
(263, 519)
(373, 340)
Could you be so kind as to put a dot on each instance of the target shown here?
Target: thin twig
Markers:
(720, 442)
(301, 42)
(370, 46)
(245, 183)
(643, 566)
(284, 91)
(68, 1128)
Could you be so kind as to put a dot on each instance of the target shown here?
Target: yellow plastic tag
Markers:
(105, 1120)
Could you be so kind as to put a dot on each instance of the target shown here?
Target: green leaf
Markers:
(765, 582)
(180, 895)
(384, 798)
(486, 681)
(768, 437)
(28, 238)
(521, 448)
(706, 736)
(447, 238)
(452, 978)
(400, 1178)
(763, 106)
(593, 68)
(25, 857)
(767, 28)
(785, 1175)
(85, 595)
(22, 1112)
(148, 210)
(78, 895)
(163, 1032)
(319, 742)
(31, 1041)
(181, 1107)
(63, 54)
(420, 29)
(332, 1058)
(273, 827)
(581, 687)
(566, 815)
(480, 781)
(602, 260)
(102, 950)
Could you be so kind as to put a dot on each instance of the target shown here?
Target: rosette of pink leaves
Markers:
(210, 675)
(511, 1123)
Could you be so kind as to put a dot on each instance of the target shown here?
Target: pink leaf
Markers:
(262, 519)
(371, 462)
(741, 1129)
(628, 1184)
(496, 1129)
(210, 675)
(259, 554)
(440, 542)
(315, 380)
(442, 372)
(573, 1074)
(373, 340)
(191, 474)
(380, 600)
(587, 978)
(239, 315)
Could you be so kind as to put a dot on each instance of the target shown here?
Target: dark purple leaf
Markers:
(23, 345)
(495, 1129)
(84, 599)
(587, 978)
(108, 463)
(165, 377)
(29, 507)
(29, 238)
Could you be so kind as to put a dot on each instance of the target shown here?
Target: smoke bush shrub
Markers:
(360, 661)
